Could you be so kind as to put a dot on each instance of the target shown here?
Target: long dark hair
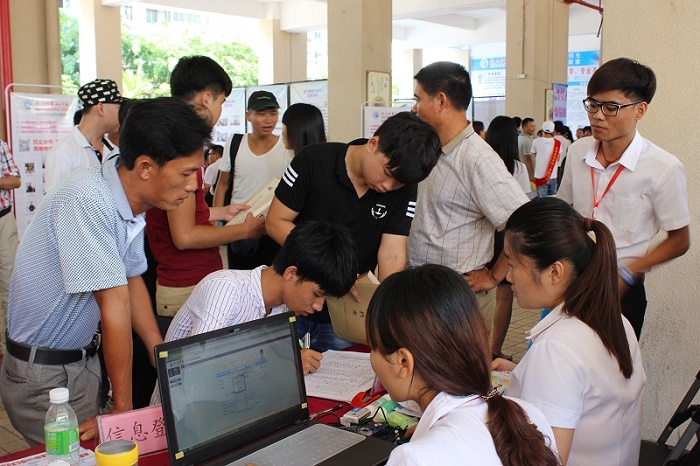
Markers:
(548, 230)
(432, 312)
(502, 136)
(305, 126)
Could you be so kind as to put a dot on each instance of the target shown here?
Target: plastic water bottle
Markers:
(61, 429)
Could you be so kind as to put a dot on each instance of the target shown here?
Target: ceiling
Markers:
(416, 23)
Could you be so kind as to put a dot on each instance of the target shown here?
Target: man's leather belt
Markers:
(5, 211)
(51, 356)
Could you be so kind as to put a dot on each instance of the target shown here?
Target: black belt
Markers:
(5, 211)
(51, 356)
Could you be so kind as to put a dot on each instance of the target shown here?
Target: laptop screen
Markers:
(227, 387)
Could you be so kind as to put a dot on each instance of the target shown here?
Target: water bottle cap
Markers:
(59, 395)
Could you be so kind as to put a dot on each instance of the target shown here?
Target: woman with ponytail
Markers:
(584, 368)
(429, 345)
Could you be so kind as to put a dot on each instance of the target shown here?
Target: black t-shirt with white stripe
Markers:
(317, 186)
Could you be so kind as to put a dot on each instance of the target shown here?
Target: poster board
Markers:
(581, 66)
(378, 88)
(232, 118)
(311, 92)
(38, 121)
(559, 103)
(488, 77)
(373, 117)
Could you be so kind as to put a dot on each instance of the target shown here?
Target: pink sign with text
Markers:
(144, 426)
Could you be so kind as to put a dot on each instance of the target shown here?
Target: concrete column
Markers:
(100, 42)
(53, 44)
(298, 59)
(34, 32)
(34, 46)
(417, 60)
(282, 55)
(536, 54)
(359, 40)
(654, 33)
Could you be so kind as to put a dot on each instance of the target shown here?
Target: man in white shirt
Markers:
(87, 145)
(317, 260)
(525, 144)
(260, 156)
(620, 178)
(547, 152)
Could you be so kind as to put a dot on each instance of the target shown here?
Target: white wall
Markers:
(663, 35)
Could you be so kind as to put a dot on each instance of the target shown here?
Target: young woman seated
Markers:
(584, 368)
(429, 345)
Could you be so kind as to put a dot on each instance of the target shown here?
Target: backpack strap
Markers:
(233, 152)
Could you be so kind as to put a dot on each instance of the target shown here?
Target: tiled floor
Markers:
(515, 344)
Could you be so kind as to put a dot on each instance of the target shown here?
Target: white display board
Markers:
(311, 92)
(373, 117)
(581, 67)
(38, 122)
(232, 118)
(488, 77)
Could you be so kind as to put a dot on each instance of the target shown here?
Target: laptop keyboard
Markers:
(310, 446)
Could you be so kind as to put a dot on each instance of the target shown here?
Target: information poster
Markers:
(581, 65)
(311, 92)
(559, 102)
(378, 88)
(375, 116)
(232, 118)
(488, 77)
(38, 122)
(281, 93)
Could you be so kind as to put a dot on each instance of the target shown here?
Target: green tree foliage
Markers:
(147, 60)
(70, 70)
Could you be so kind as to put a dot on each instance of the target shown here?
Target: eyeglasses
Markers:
(608, 108)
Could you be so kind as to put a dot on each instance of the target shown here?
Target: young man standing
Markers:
(468, 195)
(525, 145)
(260, 156)
(86, 146)
(184, 241)
(626, 182)
(80, 263)
(368, 185)
(547, 151)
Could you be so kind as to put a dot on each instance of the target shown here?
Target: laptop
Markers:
(236, 395)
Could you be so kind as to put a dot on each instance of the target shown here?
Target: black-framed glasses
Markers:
(608, 108)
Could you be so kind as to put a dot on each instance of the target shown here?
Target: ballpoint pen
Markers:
(326, 411)
(306, 342)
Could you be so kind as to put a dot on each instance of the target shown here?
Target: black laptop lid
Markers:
(228, 387)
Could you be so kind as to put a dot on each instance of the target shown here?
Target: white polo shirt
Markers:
(70, 154)
(649, 194)
(569, 375)
(453, 431)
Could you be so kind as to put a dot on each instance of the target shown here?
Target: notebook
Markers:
(234, 393)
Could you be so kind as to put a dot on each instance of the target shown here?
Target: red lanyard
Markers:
(596, 202)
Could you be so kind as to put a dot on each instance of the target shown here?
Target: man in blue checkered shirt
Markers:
(80, 263)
